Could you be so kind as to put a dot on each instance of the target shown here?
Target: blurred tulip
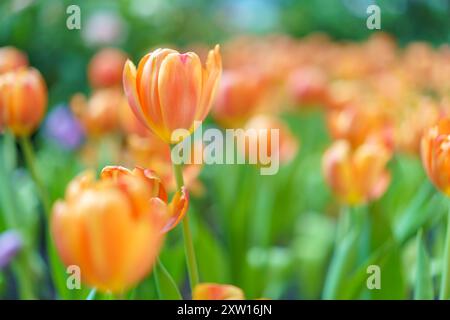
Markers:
(213, 291)
(287, 145)
(170, 91)
(113, 228)
(358, 125)
(152, 152)
(12, 59)
(239, 96)
(308, 86)
(435, 150)
(356, 176)
(23, 100)
(105, 68)
(129, 123)
(98, 114)
(10, 243)
(413, 121)
(62, 127)
(172, 212)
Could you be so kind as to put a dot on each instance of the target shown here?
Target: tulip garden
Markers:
(94, 205)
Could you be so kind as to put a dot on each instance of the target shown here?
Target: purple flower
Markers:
(10, 243)
(63, 128)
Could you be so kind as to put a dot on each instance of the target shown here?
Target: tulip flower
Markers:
(239, 96)
(213, 291)
(23, 101)
(113, 228)
(98, 114)
(413, 121)
(284, 149)
(170, 91)
(435, 151)
(130, 124)
(152, 152)
(308, 86)
(12, 59)
(357, 126)
(105, 68)
(356, 176)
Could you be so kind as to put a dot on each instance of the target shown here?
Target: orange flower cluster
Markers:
(377, 97)
(113, 228)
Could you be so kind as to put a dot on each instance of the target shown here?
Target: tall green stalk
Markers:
(445, 280)
(30, 160)
(187, 235)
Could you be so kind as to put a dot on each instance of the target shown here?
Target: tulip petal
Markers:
(210, 79)
(129, 86)
(177, 209)
(214, 291)
(179, 87)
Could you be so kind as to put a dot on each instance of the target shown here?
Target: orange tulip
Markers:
(170, 91)
(23, 100)
(357, 126)
(213, 291)
(152, 152)
(105, 68)
(356, 176)
(129, 123)
(98, 114)
(413, 121)
(12, 59)
(113, 228)
(287, 144)
(435, 150)
(308, 85)
(239, 96)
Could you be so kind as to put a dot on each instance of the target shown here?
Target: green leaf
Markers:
(165, 285)
(445, 280)
(340, 266)
(424, 282)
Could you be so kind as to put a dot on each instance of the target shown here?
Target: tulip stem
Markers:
(445, 277)
(30, 158)
(187, 235)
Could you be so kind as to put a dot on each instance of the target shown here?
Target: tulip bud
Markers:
(239, 96)
(12, 59)
(152, 152)
(105, 68)
(308, 86)
(98, 114)
(356, 176)
(213, 291)
(435, 150)
(23, 101)
(171, 91)
(357, 126)
(283, 150)
(113, 228)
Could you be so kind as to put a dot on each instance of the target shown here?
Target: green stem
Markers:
(30, 160)
(344, 254)
(187, 235)
(55, 264)
(445, 280)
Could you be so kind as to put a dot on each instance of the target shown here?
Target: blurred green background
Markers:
(267, 235)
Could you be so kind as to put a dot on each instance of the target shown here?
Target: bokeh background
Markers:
(271, 236)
